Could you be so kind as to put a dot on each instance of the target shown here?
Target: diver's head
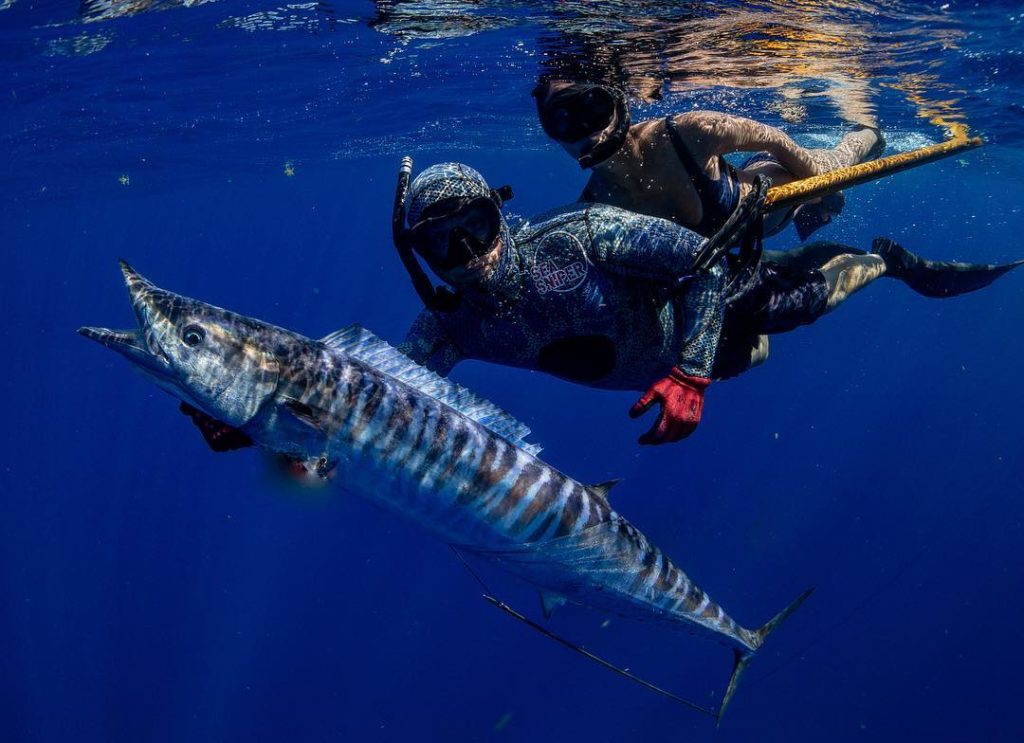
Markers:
(455, 223)
(589, 120)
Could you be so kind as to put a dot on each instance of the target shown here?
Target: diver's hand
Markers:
(682, 402)
(219, 436)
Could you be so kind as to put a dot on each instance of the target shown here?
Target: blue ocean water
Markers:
(244, 153)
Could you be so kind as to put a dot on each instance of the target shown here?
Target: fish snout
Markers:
(114, 339)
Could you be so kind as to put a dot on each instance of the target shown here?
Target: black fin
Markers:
(937, 278)
(810, 218)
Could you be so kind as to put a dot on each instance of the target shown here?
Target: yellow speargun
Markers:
(826, 183)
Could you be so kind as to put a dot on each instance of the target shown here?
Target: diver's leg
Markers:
(936, 278)
(738, 351)
(862, 144)
(848, 273)
(811, 256)
(758, 351)
(855, 147)
(783, 296)
(778, 298)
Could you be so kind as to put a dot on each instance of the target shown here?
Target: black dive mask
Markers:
(454, 231)
(450, 233)
(574, 112)
(581, 110)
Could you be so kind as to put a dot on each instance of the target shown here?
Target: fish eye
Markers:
(192, 335)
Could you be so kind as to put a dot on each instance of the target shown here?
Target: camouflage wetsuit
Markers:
(587, 293)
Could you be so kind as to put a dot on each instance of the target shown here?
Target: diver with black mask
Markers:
(614, 299)
(589, 293)
(576, 112)
(674, 167)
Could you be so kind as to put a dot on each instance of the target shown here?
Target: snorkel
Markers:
(440, 299)
(463, 245)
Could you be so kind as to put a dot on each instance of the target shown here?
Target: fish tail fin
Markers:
(772, 624)
(757, 637)
(740, 662)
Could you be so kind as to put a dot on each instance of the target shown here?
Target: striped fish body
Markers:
(419, 445)
(422, 459)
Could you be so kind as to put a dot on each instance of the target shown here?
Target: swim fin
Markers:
(936, 278)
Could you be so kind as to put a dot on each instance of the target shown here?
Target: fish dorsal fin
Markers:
(360, 343)
(602, 488)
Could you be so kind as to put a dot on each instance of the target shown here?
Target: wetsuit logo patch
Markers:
(562, 272)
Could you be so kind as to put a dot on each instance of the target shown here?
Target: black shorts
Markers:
(780, 297)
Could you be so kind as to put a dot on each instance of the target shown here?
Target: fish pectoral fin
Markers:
(602, 488)
(550, 601)
(302, 412)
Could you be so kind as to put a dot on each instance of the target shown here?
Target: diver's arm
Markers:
(704, 304)
(680, 394)
(639, 246)
(662, 252)
(718, 134)
(428, 343)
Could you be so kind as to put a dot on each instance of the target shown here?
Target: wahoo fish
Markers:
(361, 414)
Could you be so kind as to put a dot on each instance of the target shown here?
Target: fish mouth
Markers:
(128, 343)
(137, 345)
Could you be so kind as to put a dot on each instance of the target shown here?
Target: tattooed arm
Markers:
(718, 133)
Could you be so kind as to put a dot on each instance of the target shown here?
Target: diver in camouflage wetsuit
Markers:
(589, 293)
(609, 298)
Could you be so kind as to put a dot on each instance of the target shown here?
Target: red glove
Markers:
(219, 436)
(682, 401)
